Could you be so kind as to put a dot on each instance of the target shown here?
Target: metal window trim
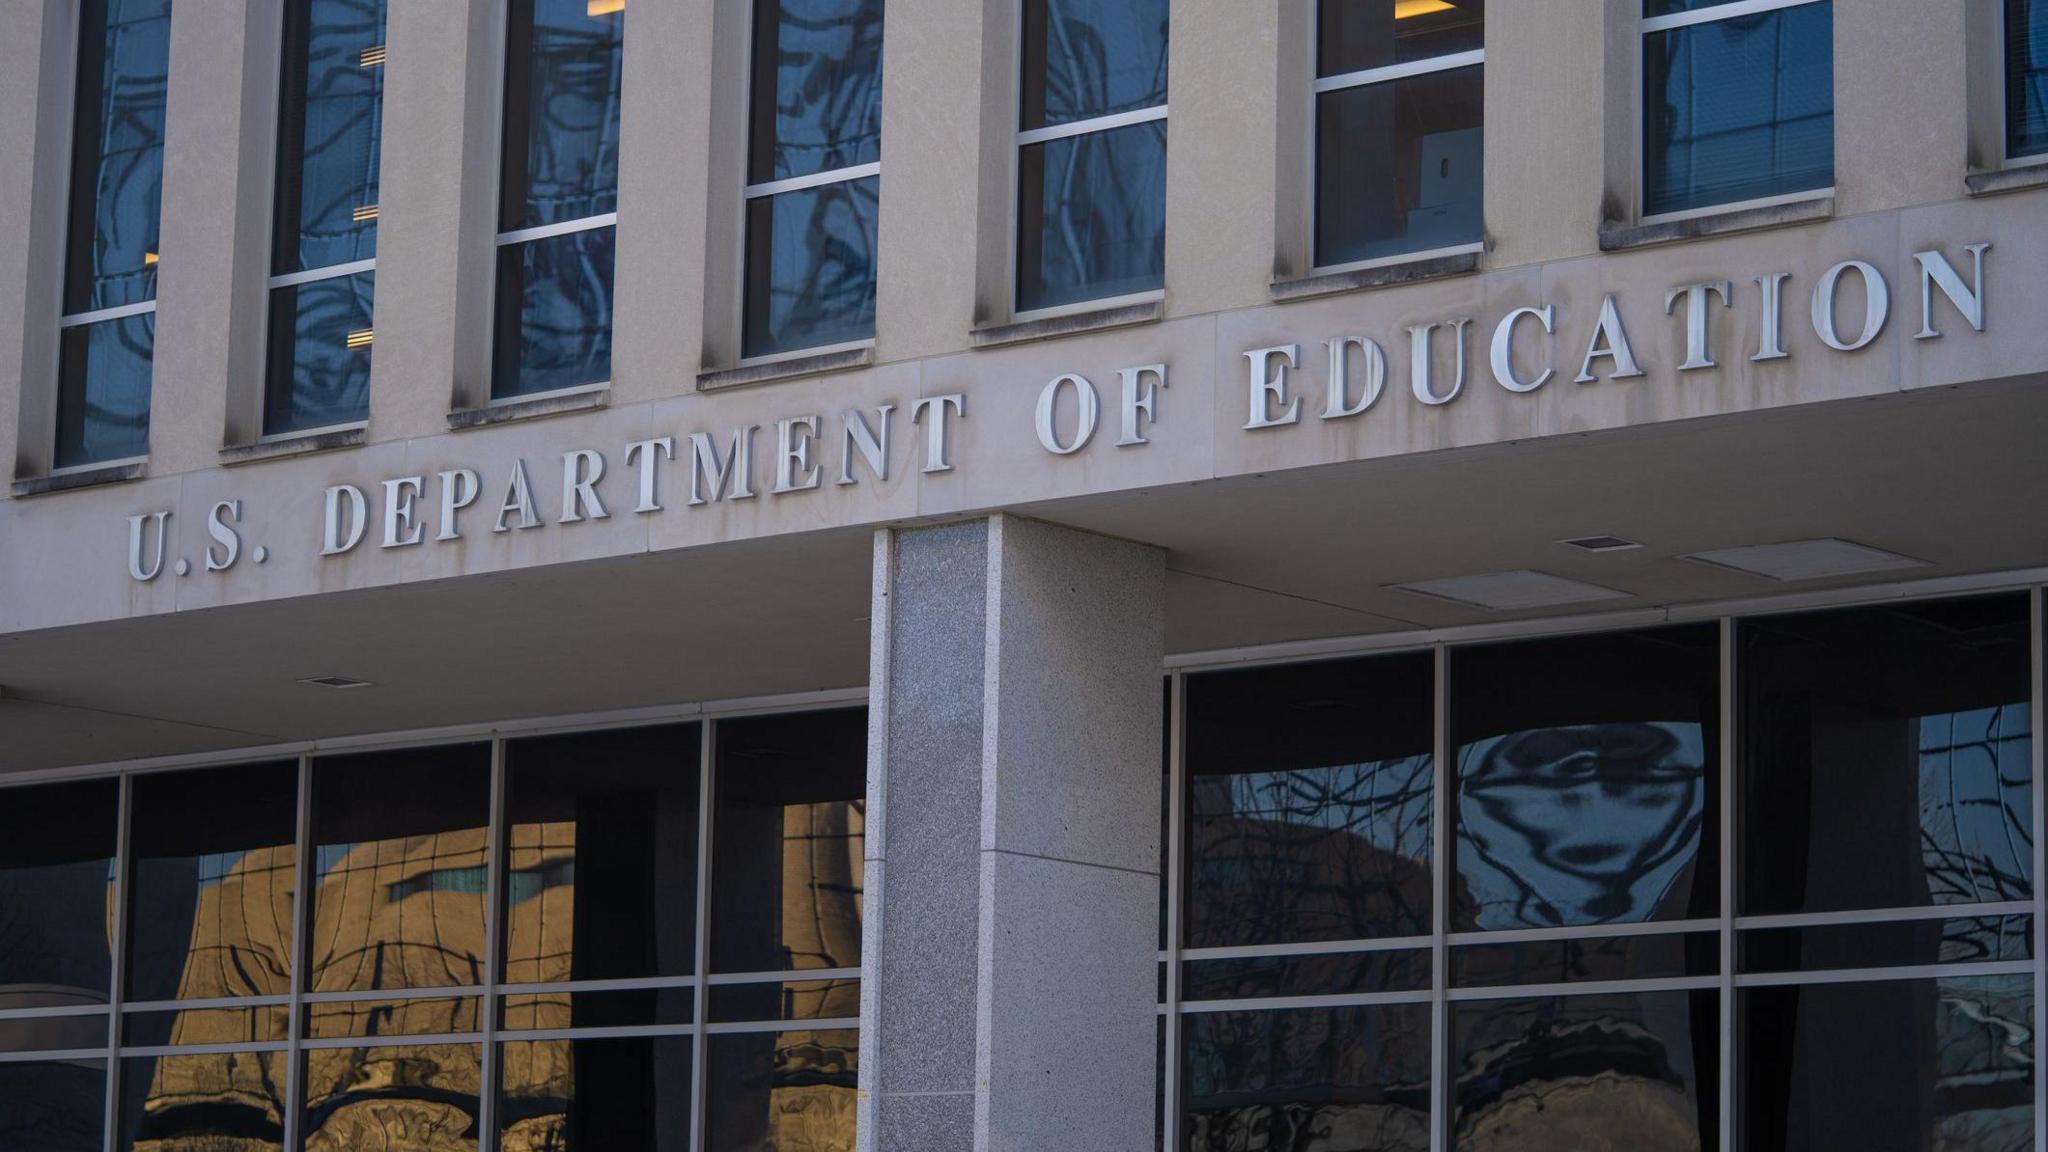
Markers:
(559, 228)
(394, 995)
(102, 315)
(1401, 71)
(212, 1003)
(1029, 136)
(301, 968)
(1980, 911)
(117, 964)
(1092, 304)
(1723, 208)
(497, 853)
(1719, 12)
(1586, 988)
(700, 1012)
(159, 1051)
(754, 1027)
(1301, 1003)
(63, 1056)
(1173, 850)
(53, 1012)
(1586, 932)
(2038, 613)
(812, 180)
(1888, 973)
(790, 976)
(431, 1039)
(328, 272)
(1416, 257)
(1441, 862)
(1308, 948)
(1729, 866)
(95, 466)
(803, 353)
(572, 987)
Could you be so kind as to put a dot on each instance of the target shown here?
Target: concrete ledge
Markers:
(1405, 272)
(83, 478)
(1025, 331)
(843, 360)
(2007, 180)
(581, 400)
(304, 445)
(1616, 238)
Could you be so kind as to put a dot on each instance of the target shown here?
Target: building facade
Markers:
(736, 575)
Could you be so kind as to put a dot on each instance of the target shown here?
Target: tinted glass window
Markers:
(563, 78)
(615, 1095)
(1886, 757)
(786, 842)
(1089, 58)
(395, 1096)
(1587, 773)
(601, 880)
(210, 902)
(54, 1107)
(1398, 166)
(103, 390)
(56, 869)
(817, 98)
(320, 336)
(1307, 1079)
(117, 159)
(811, 266)
(1310, 800)
(328, 132)
(781, 1091)
(1739, 109)
(1354, 35)
(2026, 77)
(398, 857)
(207, 1101)
(554, 325)
(1092, 216)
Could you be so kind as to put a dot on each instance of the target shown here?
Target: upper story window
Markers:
(1738, 102)
(117, 165)
(1398, 98)
(324, 238)
(813, 174)
(1091, 164)
(2026, 78)
(559, 195)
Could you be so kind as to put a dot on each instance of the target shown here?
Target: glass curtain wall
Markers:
(1737, 105)
(324, 234)
(108, 327)
(813, 174)
(1399, 93)
(558, 196)
(2026, 79)
(571, 973)
(1091, 162)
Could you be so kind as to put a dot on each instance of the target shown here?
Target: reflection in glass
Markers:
(117, 153)
(351, 1019)
(103, 390)
(613, 1095)
(1398, 166)
(781, 1091)
(1899, 1065)
(54, 1106)
(1327, 974)
(257, 1024)
(398, 842)
(630, 1007)
(785, 1000)
(1886, 757)
(811, 266)
(1586, 958)
(320, 335)
(1349, 1078)
(1587, 774)
(210, 907)
(2026, 77)
(1089, 58)
(328, 133)
(56, 894)
(1739, 109)
(601, 877)
(1893, 944)
(1353, 35)
(232, 1100)
(1310, 801)
(414, 1096)
(1092, 216)
(68, 1033)
(786, 842)
(554, 325)
(564, 67)
(817, 94)
(1617, 1070)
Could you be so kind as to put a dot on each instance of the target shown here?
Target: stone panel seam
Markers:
(1069, 860)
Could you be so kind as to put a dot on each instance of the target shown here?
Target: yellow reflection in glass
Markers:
(401, 913)
(360, 1018)
(401, 1098)
(202, 1103)
(540, 897)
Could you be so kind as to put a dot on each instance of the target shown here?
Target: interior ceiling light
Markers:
(336, 682)
(1806, 560)
(1508, 591)
(1601, 543)
(1403, 9)
(604, 7)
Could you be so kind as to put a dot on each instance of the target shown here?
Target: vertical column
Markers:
(1902, 124)
(1222, 149)
(37, 46)
(1013, 840)
(1547, 127)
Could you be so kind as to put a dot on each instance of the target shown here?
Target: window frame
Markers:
(2007, 161)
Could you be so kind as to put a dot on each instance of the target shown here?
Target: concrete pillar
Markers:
(1011, 938)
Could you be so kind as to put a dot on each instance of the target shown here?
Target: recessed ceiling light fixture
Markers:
(1806, 560)
(336, 682)
(1508, 591)
(1602, 543)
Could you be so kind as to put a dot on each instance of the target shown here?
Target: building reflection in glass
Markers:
(626, 1094)
(781, 1091)
(54, 1105)
(1354, 1078)
(410, 1097)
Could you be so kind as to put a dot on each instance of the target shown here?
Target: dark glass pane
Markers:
(629, 1094)
(1309, 802)
(1588, 775)
(1092, 216)
(811, 266)
(1889, 1066)
(781, 1091)
(784, 1000)
(320, 335)
(630, 1007)
(1637, 1070)
(1325, 974)
(817, 92)
(564, 64)
(354, 1019)
(396, 1097)
(1353, 35)
(103, 390)
(398, 869)
(786, 841)
(1590, 958)
(210, 907)
(1089, 58)
(1668, 7)
(554, 326)
(261, 1023)
(1352, 1078)
(2026, 77)
(1893, 945)
(1398, 166)
(52, 1107)
(1886, 757)
(1739, 109)
(601, 881)
(217, 1101)
(51, 1033)
(56, 871)
(329, 128)
(117, 153)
